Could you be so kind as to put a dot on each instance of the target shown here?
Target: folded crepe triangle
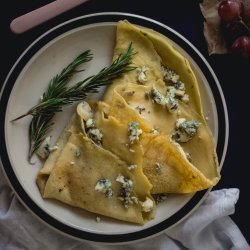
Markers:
(87, 176)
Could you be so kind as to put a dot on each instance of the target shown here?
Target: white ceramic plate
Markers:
(29, 78)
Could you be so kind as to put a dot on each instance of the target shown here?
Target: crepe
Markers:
(72, 174)
(153, 50)
(165, 162)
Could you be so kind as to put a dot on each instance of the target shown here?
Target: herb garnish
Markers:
(59, 95)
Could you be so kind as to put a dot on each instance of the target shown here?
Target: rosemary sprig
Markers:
(58, 95)
(57, 85)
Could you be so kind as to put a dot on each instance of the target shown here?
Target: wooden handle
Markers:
(40, 15)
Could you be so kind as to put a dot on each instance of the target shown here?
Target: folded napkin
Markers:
(209, 227)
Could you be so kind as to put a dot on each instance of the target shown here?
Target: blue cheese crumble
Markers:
(171, 102)
(134, 131)
(160, 197)
(90, 123)
(185, 130)
(157, 96)
(141, 74)
(93, 133)
(168, 101)
(96, 135)
(104, 186)
(169, 75)
(125, 191)
(177, 86)
(126, 183)
(147, 205)
(45, 149)
(179, 89)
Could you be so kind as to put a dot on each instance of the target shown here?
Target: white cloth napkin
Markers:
(209, 227)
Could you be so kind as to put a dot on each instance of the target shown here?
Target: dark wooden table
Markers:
(185, 17)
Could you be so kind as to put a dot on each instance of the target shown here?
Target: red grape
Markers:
(241, 47)
(230, 10)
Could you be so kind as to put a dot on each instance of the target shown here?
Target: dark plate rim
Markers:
(98, 18)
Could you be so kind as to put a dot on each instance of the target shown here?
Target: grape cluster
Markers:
(235, 17)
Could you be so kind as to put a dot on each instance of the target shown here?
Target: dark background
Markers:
(185, 17)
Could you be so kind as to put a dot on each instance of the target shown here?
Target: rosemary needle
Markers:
(58, 95)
